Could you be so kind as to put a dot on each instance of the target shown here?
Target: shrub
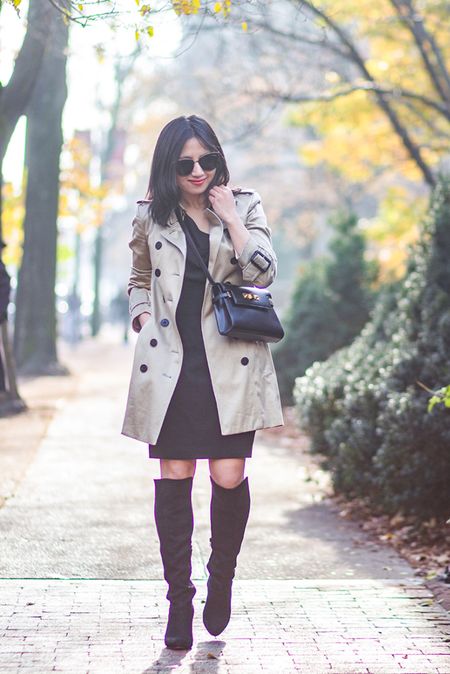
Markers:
(364, 408)
(329, 306)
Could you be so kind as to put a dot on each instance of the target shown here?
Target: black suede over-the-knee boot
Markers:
(230, 509)
(175, 523)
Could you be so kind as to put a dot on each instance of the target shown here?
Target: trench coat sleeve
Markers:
(139, 283)
(258, 260)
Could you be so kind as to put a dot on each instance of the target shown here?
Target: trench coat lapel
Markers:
(174, 234)
(215, 237)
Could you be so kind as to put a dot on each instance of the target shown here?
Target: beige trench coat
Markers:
(242, 373)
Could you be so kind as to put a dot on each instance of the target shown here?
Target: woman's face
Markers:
(198, 181)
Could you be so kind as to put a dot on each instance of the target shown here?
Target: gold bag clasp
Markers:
(250, 296)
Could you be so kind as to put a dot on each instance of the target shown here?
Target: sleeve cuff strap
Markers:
(252, 253)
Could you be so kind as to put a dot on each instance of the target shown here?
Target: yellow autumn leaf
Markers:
(150, 31)
(244, 26)
(136, 35)
(217, 7)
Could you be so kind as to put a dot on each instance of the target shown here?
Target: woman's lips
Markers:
(198, 182)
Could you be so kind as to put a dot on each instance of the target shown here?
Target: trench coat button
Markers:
(158, 245)
(153, 342)
(143, 368)
(157, 272)
(244, 360)
(233, 260)
(164, 322)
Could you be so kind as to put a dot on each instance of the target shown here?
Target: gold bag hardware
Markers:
(250, 296)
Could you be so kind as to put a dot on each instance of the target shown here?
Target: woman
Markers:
(195, 394)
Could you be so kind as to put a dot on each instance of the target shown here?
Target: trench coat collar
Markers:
(174, 233)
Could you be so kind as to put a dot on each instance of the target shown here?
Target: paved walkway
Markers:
(80, 573)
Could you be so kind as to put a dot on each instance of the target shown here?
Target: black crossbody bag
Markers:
(242, 312)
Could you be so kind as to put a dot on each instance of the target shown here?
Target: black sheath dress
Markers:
(191, 428)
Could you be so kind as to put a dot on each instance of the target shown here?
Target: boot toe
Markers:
(217, 612)
(178, 644)
(179, 628)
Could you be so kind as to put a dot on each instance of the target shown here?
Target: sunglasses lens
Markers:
(209, 162)
(184, 167)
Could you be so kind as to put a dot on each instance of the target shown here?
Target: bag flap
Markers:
(249, 296)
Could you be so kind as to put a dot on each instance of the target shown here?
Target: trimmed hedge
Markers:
(363, 407)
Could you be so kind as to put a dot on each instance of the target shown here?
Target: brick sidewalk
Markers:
(277, 627)
(81, 588)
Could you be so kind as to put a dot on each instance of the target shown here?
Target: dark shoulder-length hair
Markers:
(162, 187)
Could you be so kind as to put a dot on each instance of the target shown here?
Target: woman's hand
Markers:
(143, 318)
(222, 201)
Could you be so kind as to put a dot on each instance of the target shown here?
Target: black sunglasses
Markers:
(208, 162)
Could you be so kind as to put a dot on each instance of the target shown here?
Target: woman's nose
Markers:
(197, 171)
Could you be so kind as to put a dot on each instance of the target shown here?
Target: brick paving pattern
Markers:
(277, 627)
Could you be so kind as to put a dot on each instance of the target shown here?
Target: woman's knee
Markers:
(177, 469)
(227, 473)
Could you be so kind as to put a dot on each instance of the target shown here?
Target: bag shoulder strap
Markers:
(191, 240)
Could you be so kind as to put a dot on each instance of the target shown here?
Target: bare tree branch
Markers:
(426, 120)
(353, 55)
(295, 37)
(413, 21)
(396, 93)
(82, 19)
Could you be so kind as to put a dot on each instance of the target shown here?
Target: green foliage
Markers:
(329, 306)
(441, 397)
(364, 407)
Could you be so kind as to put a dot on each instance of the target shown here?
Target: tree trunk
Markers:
(35, 326)
(15, 95)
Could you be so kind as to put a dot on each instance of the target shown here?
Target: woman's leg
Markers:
(230, 508)
(176, 469)
(174, 523)
(227, 473)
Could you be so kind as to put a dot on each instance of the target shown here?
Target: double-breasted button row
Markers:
(164, 322)
(158, 245)
(144, 367)
(244, 360)
(233, 260)
(157, 272)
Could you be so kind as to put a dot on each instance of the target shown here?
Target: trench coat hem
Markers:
(237, 427)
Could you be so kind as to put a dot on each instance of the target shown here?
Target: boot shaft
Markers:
(174, 521)
(230, 509)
